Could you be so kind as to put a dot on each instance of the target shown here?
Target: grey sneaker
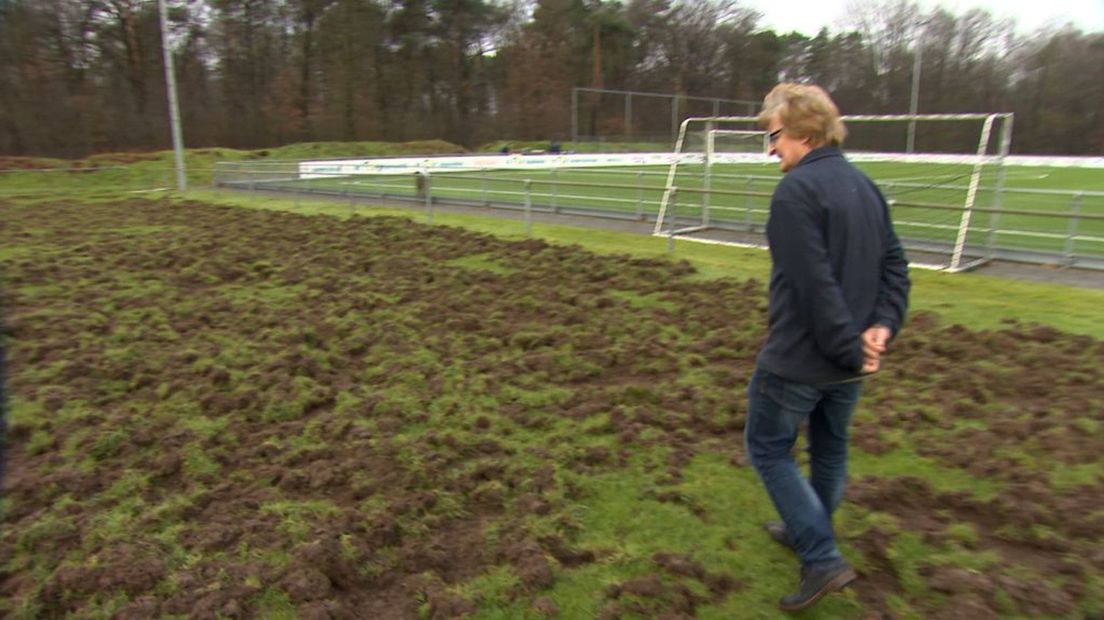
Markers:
(816, 582)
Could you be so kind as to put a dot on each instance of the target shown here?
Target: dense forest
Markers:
(85, 76)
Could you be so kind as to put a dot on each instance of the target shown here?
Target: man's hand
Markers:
(874, 345)
(870, 366)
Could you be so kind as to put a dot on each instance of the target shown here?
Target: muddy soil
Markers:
(216, 408)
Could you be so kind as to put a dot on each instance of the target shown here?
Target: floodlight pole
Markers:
(914, 100)
(174, 108)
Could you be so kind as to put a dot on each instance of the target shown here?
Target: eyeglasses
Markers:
(774, 135)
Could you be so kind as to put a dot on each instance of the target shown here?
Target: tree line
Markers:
(85, 76)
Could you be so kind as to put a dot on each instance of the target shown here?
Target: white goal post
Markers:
(744, 141)
(934, 192)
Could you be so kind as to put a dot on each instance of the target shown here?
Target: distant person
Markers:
(554, 147)
(838, 294)
(421, 184)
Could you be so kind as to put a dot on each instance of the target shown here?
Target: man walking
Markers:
(838, 294)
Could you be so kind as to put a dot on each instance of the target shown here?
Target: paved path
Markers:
(1070, 276)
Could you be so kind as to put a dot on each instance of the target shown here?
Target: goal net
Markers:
(942, 174)
(722, 144)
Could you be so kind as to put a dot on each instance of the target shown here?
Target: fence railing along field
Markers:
(1063, 227)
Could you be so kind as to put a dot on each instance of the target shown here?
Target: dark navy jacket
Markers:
(838, 268)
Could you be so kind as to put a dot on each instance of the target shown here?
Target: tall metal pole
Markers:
(574, 116)
(914, 101)
(674, 118)
(628, 117)
(174, 108)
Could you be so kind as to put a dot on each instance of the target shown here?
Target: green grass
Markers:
(905, 462)
(274, 603)
(298, 516)
(620, 510)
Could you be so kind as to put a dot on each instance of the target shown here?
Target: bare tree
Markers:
(1057, 88)
(80, 76)
(352, 55)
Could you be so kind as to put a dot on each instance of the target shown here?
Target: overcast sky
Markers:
(808, 16)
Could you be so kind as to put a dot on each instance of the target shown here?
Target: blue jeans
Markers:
(776, 409)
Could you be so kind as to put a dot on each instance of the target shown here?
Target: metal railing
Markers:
(1063, 228)
(1063, 231)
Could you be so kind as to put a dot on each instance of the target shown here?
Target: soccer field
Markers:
(1055, 211)
(1041, 214)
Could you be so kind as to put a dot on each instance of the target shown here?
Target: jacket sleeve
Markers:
(800, 251)
(891, 306)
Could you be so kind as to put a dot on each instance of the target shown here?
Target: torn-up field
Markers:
(219, 412)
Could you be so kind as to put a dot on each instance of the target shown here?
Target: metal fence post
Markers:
(640, 196)
(528, 209)
(707, 173)
(749, 203)
(575, 115)
(1075, 212)
(428, 195)
(628, 117)
(555, 190)
(991, 238)
(672, 205)
(674, 119)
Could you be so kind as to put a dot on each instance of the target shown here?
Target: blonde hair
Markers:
(806, 111)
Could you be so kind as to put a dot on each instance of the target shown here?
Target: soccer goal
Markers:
(939, 173)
